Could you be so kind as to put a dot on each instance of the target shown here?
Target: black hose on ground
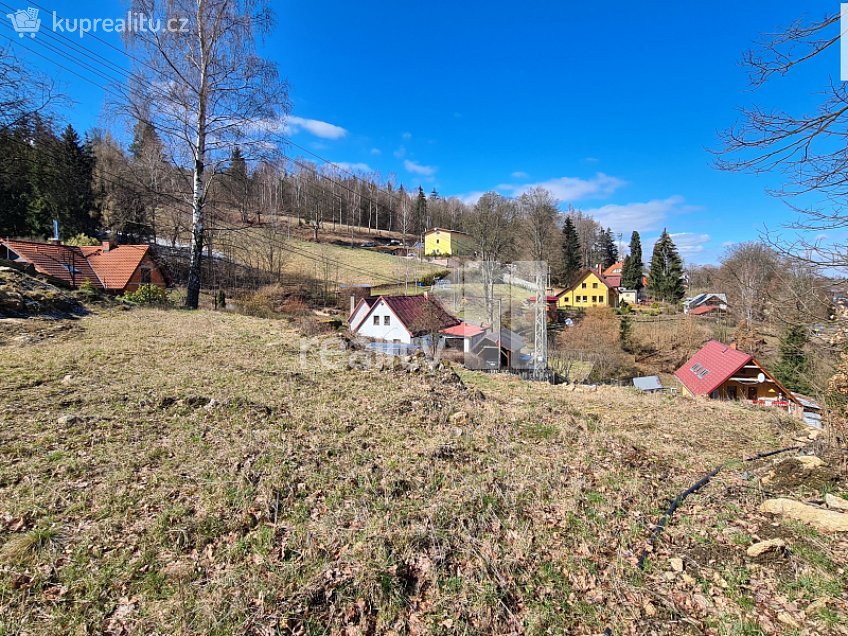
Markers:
(661, 524)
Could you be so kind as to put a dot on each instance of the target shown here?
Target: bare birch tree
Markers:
(205, 90)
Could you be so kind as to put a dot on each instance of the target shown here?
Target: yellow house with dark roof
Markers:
(441, 242)
(588, 289)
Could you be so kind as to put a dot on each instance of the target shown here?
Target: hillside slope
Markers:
(195, 473)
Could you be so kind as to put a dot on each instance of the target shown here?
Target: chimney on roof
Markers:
(55, 240)
(107, 244)
(352, 303)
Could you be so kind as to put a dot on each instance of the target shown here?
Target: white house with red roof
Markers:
(722, 372)
(400, 319)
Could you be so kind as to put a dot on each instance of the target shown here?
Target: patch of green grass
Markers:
(539, 431)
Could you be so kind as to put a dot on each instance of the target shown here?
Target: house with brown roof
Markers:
(115, 269)
(400, 319)
(588, 288)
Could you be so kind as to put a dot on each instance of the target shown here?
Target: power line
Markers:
(269, 239)
(128, 75)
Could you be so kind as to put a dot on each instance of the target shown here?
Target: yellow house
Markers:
(589, 289)
(441, 242)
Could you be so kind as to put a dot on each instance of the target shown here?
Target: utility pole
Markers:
(540, 346)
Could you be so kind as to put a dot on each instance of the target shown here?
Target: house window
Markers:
(387, 320)
(594, 285)
(585, 299)
(594, 299)
(376, 321)
(583, 286)
(145, 275)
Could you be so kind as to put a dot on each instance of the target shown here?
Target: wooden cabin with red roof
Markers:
(721, 372)
(114, 269)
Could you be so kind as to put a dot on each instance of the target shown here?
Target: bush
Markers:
(82, 240)
(148, 295)
(258, 305)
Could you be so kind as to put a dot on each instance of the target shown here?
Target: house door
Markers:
(752, 393)
(731, 392)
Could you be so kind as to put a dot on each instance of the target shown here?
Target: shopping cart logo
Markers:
(25, 21)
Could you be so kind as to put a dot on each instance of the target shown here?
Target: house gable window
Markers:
(583, 286)
(376, 321)
(387, 320)
(594, 285)
(145, 275)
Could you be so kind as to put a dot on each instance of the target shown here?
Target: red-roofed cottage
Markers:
(724, 373)
(116, 269)
(400, 319)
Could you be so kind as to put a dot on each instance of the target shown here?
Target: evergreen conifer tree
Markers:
(631, 271)
(665, 279)
(571, 255)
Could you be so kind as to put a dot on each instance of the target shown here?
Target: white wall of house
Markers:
(629, 296)
(359, 313)
(387, 327)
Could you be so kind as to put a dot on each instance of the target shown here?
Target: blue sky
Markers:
(613, 106)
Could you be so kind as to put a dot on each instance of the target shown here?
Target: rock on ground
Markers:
(765, 546)
(824, 520)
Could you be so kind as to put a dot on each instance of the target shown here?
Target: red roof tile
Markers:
(65, 262)
(116, 266)
(703, 309)
(711, 367)
(463, 330)
(108, 270)
(420, 314)
(610, 271)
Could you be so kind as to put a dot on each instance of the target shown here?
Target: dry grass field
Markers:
(166, 472)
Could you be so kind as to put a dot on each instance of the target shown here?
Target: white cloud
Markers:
(417, 168)
(689, 243)
(470, 198)
(643, 216)
(407, 136)
(316, 127)
(353, 167)
(519, 174)
(571, 188)
(376, 151)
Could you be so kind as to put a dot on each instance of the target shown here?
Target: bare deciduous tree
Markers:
(807, 149)
(491, 226)
(22, 92)
(205, 90)
(747, 271)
